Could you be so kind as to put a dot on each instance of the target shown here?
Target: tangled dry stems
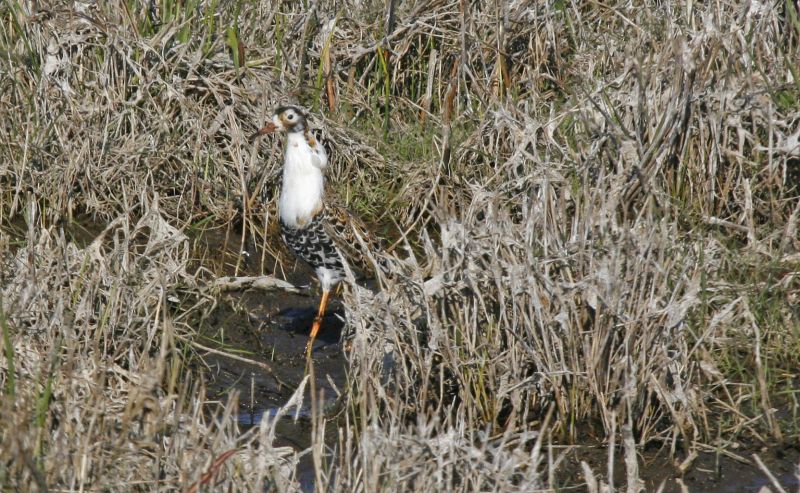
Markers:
(599, 204)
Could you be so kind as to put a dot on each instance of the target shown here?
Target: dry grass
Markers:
(599, 204)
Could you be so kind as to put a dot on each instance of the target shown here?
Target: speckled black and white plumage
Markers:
(313, 245)
(331, 239)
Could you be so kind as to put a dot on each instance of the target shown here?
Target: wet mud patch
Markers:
(270, 328)
(273, 328)
(723, 472)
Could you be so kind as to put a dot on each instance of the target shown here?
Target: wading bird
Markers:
(314, 224)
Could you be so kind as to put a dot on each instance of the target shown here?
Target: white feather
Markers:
(328, 278)
(303, 181)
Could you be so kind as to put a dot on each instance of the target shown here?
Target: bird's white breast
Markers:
(303, 181)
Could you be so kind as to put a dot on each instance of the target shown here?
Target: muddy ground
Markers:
(274, 329)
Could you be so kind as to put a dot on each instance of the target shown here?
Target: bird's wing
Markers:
(319, 156)
(350, 234)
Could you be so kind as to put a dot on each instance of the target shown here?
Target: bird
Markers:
(314, 223)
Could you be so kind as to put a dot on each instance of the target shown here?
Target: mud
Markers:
(709, 472)
(274, 329)
(271, 328)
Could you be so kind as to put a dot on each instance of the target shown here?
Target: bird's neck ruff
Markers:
(303, 180)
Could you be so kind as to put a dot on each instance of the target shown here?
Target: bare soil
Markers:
(271, 328)
(709, 472)
(274, 329)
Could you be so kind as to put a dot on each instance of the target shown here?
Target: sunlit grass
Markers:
(600, 202)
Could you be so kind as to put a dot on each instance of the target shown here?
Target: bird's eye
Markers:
(290, 116)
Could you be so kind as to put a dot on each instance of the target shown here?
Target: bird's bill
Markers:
(266, 129)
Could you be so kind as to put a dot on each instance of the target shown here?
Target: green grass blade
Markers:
(11, 381)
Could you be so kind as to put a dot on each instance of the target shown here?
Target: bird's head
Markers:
(286, 118)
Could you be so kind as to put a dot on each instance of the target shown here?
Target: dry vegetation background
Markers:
(599, 203)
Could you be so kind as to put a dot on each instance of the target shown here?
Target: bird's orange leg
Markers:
(323, 303)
